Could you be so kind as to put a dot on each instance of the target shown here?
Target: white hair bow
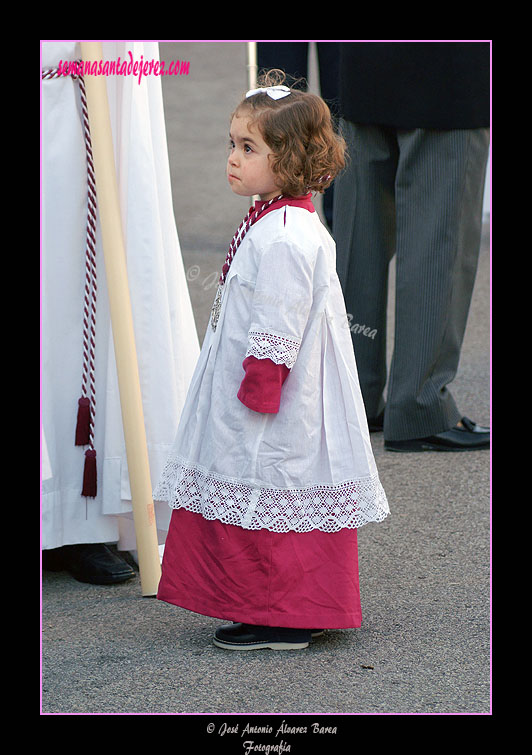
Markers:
(275, 92)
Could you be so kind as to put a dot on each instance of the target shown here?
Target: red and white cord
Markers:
(87, 402)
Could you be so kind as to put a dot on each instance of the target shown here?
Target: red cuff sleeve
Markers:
(260, 389)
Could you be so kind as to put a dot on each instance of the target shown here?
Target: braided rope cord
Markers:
(251, 218)
(88, 384)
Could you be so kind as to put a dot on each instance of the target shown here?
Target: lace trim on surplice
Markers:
(328, 508)
(268, 345)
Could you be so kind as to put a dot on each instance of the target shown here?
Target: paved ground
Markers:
(424, 646)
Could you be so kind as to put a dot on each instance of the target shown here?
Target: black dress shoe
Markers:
(466, 436)
(94, 563)
(250, 637)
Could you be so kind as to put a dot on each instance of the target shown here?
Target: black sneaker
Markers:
(250, 637)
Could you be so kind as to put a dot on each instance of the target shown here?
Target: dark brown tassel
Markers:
(89, 474)
(83, 423)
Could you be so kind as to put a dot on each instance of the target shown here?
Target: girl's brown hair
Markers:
(307, 151)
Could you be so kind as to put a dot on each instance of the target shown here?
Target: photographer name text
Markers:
(250, 746)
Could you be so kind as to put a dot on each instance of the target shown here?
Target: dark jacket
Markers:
(439, 85)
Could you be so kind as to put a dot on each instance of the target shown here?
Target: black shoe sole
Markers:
(113, 579)
(266, 645)
(418, 446)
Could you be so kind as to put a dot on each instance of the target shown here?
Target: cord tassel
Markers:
(89, 474)
(83, 422)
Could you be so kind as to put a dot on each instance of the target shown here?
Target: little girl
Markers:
(272, 469)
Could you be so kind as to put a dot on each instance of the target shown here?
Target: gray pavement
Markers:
(424, 646)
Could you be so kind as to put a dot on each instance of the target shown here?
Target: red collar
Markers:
(304, 201)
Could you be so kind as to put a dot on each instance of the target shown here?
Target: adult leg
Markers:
(364, 230)
(439, 191)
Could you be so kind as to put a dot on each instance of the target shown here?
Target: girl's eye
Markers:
(246, 148)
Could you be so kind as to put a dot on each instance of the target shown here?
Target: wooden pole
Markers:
(252, 65)
(122, 324)
(251, 52)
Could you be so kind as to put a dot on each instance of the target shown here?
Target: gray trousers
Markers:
(417, 194)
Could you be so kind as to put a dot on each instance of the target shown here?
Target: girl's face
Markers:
(248, 165)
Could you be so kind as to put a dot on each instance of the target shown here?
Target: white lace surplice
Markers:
(311, 465)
